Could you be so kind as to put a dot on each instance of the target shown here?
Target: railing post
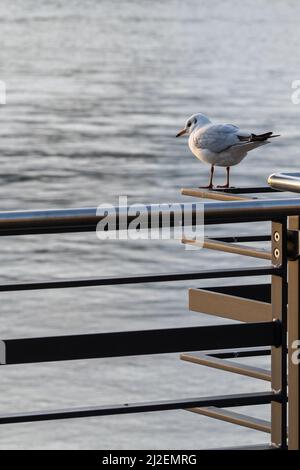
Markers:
(279, 354)
(293, 343)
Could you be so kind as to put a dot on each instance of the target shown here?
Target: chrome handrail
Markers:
(285, 182)
(261, 308)
(86, 219)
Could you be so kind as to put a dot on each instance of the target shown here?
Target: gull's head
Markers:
(196, 120)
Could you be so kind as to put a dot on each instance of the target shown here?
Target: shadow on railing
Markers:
(261, 307)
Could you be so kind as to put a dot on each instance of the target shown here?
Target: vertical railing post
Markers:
(293, 342)
(279, 354)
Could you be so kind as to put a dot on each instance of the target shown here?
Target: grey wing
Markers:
(217, 138)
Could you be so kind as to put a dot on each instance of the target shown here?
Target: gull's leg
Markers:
(227, 178)
(210, 184)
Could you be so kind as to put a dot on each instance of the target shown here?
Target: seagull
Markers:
(220, 144)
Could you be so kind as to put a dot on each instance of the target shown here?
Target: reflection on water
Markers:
(95, 95)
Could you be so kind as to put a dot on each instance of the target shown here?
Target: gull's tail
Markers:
(257, 137)
(262, 137)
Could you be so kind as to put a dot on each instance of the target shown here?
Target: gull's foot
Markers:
(224, 186)
(209, 186)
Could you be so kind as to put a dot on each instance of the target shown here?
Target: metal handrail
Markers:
(86, 219)
(250, 334)
(285, 182)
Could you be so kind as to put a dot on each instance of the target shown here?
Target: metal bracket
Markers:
(293, 245)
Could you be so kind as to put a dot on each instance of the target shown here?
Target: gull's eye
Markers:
(189, 124)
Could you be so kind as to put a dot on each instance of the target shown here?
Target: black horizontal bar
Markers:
(87, 227)
(234, 353)
(259, 292)
(47, 230)
(37, 231)
(141, 278)
(242, 238)
(259, 398)
(132, 343)
(246, 190)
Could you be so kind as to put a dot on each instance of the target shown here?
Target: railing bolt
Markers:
(276, 253)
(276, 236)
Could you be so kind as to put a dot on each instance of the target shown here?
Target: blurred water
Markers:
(95, 94)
